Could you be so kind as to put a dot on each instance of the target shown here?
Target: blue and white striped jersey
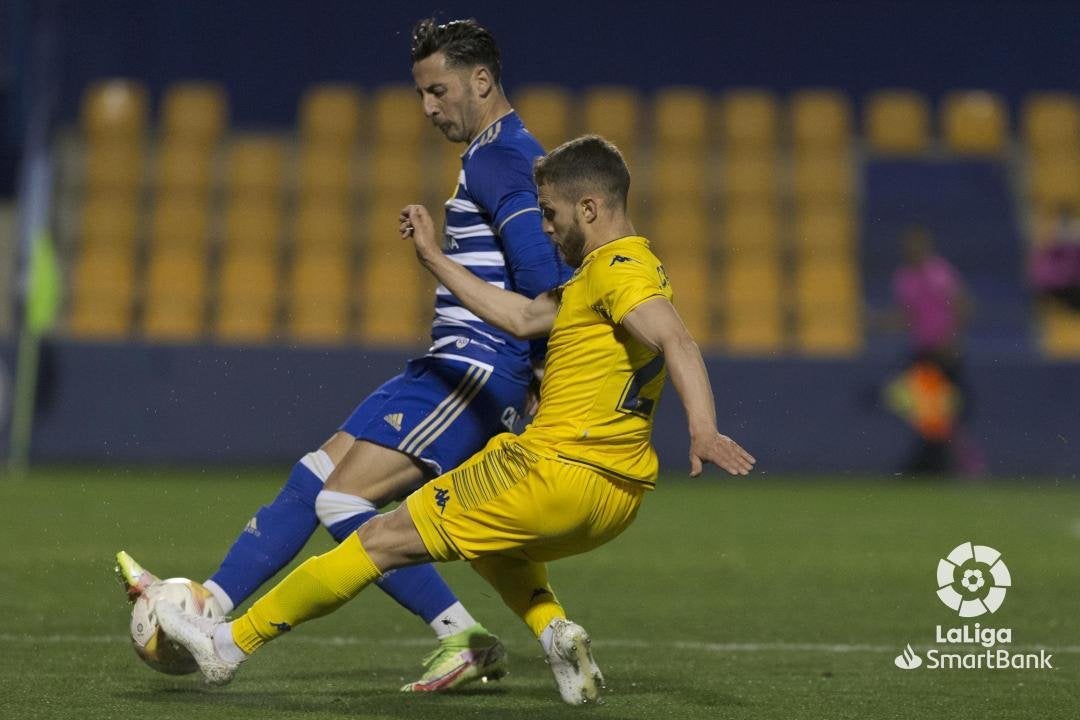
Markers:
(493, 229)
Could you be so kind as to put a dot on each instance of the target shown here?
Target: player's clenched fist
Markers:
(415, 222)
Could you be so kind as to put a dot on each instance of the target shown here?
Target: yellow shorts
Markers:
(509, 500)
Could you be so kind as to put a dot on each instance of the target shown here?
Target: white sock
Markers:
(451, 621)
(225, 646)
(225, 603)
(332, 507)
(548, 637)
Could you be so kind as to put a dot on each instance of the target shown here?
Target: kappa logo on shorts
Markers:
(394, 420)
(441, 498)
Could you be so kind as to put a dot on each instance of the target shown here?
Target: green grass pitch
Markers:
(760, 598)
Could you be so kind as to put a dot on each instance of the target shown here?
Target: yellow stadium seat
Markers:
(826, 281)
(184, 169)
(680, 236)
(247, 297)
(253, 224)
(175, 296)
(680, 119)
(822, 177)
(897, 122)
(1055, 179)
(679, 174)
(399, 116)
(748, 120)
(750, 303)
(821, 333)
(613, 112)
(101, 299)
(319, 298)
(109, 222)
(330, 116)
(749, 177)
(824, 230)
(547, 113)
(194, 113)
(326, 171)
(256, 165)
(323, 226)
(1060, 332)
(1052, 123)
(180, 221)
(974, 123)
(114, 110)
(392, 298)
(397, 172)
(113, 166)
(750, 230)
(820, 120)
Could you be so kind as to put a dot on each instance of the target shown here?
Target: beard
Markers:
(572, 246)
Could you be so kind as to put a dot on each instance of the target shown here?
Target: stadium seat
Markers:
(114, 166)
(323, 226)
(247, 297)
(1051, 123)
(824, 229)
(749, 177)
(114, 110)
(325, 171)
(680, 235)
(678, 174)
(256, 165)
(680, 119)
(194, 113)
(613, 112)
(750, 304)
(827, 304)
(748, 120)
(1060, 332)
(820, 120)
(398, 118)
(184, 169)
(897, 122)
(319, 298)
(175, 296)
(821, 333)
(974, 123)
(109, 222)
(822, 177)
(180, 221)
(547, 112)
(253, 224)
(102, 289)
(397, 174)
(750, 230)
(330, 116)
(392, 303)
(1055, 179)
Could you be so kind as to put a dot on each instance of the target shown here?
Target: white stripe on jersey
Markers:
(519, 212)
(447, 322)
(460, 232)
(453, 312)
(462, 205)
(443, 290)
(490, 258)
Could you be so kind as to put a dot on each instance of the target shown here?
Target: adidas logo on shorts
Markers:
(394, 420)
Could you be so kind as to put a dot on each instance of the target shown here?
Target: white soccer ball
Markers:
(150, 643)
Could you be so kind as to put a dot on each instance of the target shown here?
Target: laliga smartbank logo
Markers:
(972, 581)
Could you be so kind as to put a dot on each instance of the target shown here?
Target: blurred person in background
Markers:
(1054, 271)
(933, 306)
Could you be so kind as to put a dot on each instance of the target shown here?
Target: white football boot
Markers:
(572, 663)
(196, 633)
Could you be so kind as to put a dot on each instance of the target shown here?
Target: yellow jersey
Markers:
(601, 385)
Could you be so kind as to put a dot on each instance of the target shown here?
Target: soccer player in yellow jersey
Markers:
(573, 480)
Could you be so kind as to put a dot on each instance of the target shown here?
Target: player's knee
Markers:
(392, 541)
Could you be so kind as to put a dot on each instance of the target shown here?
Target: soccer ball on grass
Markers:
(150, 643)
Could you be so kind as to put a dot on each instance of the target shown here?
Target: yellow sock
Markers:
(524, 588)
(318, 587)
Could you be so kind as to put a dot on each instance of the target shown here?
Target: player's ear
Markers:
(588, 208)
(482, 81)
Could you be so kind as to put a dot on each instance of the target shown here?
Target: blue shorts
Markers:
(439, 411)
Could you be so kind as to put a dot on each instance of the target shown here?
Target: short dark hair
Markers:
(464, 42)
(586, 163)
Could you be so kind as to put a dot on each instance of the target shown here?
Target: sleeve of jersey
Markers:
(500, 181)
(622, 286)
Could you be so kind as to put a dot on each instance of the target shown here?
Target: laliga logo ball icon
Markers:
(972, 580)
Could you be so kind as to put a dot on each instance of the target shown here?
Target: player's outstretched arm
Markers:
(656, 323)
(516, 314)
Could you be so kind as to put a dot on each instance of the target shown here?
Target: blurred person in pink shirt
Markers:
(934, 307)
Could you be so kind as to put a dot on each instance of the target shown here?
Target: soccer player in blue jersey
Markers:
(470, 385)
